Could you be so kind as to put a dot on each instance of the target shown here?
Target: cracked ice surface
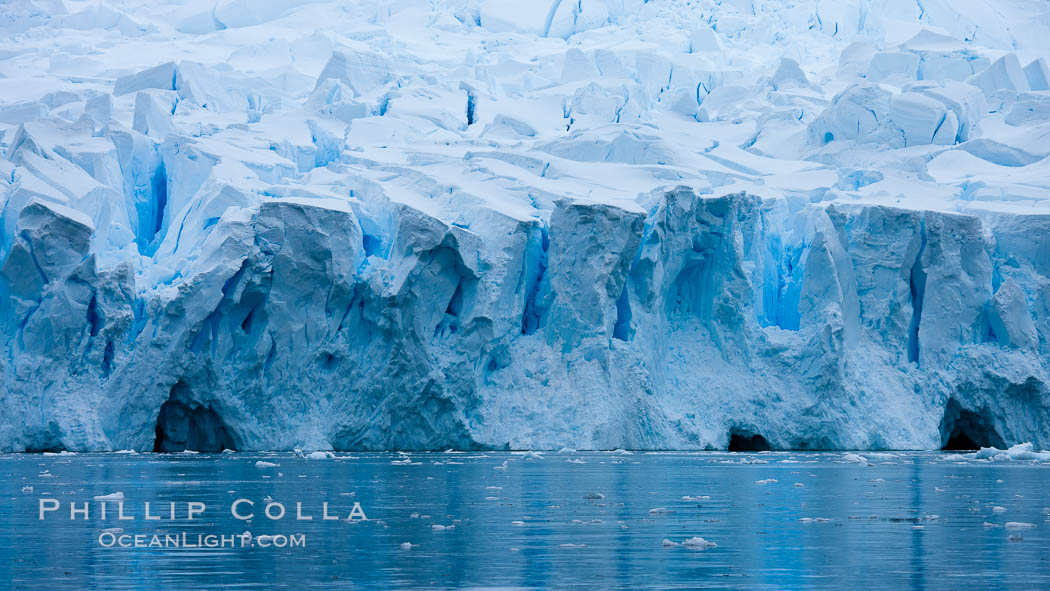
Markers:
(596, 224)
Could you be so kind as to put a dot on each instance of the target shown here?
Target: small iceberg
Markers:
(117, 496)
(1019, 452)
(698, 543)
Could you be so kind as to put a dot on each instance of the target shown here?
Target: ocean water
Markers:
(515, 521)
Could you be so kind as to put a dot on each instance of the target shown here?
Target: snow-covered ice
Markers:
(698, 543)
(526, 225)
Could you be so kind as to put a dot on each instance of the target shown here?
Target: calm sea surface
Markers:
(516, 521)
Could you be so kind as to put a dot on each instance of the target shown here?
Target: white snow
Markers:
(300, 219)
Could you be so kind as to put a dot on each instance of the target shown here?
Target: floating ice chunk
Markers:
(320, 455)
(572, 545)
(594, 496)
(766, 481)
(439, 527)
(998, 509)
(660, 511)
(1019, 525)
(407, 545)
(854, 458)
(27, 489)
(991, 525)
(799, 485)
(532, 455)
(117, 496)
(517, 523)
(262, 464)
(668, 543)
(698, 543)
(697, 498)
(1020, 452)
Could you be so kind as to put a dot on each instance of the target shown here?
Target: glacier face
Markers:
(600, 224)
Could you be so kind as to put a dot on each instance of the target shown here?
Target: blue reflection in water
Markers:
(584, 520)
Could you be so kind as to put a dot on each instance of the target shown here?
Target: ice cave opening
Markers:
(966, 430)
(192, 427)
(745, 441)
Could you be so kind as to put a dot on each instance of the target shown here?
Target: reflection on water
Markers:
(594, 520)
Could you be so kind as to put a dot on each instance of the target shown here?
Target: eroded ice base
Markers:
(596, 224)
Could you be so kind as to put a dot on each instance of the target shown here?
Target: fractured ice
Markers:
(528, 225)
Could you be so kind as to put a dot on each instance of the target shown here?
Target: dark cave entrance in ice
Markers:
(745, 441)
(966, 430)
(192, 427)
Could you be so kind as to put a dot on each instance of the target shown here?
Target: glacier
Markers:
(488, 224)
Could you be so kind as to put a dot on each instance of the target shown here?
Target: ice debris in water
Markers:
(1019, 525)
(1019, 452)
(265, 464)
(766, 481)
(117, 496)
(320, 455)
(698, 543)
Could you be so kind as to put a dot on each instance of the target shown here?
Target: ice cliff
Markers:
(597, 224)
